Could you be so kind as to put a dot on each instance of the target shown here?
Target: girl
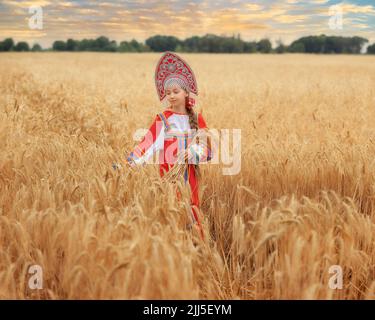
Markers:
(176, 131)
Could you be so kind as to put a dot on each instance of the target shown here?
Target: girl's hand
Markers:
(195, 153)
(128, 164)
(116, 166)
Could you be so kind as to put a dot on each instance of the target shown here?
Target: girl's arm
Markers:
(152, 142)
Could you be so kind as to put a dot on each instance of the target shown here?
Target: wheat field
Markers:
(302, 202)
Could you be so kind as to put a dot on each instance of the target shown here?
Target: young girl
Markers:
(173, 130)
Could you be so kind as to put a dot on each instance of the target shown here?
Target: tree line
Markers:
(209, 43)
(9, 45)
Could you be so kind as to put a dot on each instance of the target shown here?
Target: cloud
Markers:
(66, 4)
(290, 18)
(26, 4)
(121, 20)
(352, 8)
(253, 6)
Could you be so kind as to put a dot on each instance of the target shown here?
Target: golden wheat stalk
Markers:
(178, 169)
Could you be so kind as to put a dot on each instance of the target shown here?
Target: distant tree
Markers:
(86, 45)
(145, 47)
(230, 45)
(371, 49)
(101, 43)
(22, 46)
(281, 48)
(71, 45)
(160, 43)
(313, 44)
(250, 47)
(180, 48)
(328, 44)
(296, 47)
(210, 43)
(136, 46)
(36, 47)
(112, 47)
(132, 46)
(204, 43)
(191, 44)
(264, 46)
(213, 43)
(7, 44)
(59, 45)
(357, 44)
(125, 47)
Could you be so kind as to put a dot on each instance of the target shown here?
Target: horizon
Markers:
(143, 42)
(283, 21)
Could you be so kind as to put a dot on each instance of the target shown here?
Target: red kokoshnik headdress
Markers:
(172, 69)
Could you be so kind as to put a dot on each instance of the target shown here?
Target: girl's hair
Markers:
(193, 121)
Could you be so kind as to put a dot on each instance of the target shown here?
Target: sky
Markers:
(283, 20)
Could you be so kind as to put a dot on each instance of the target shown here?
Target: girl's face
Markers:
(176, 95)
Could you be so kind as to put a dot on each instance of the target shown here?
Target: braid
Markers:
(193, 121)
